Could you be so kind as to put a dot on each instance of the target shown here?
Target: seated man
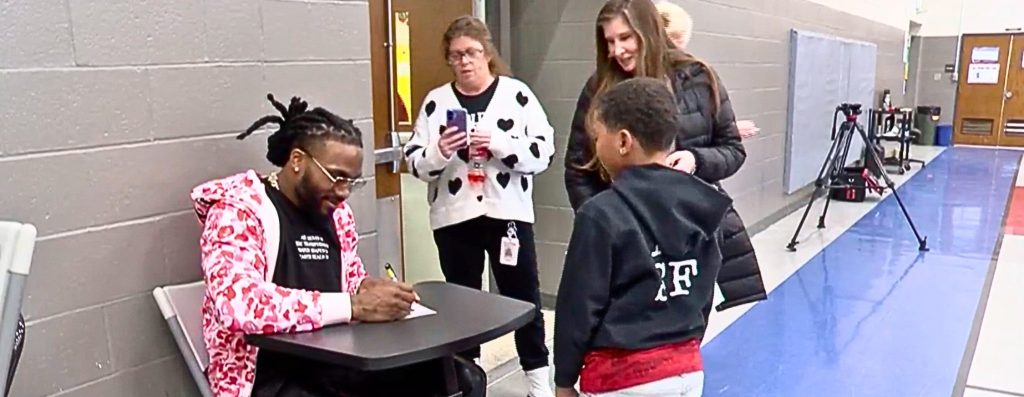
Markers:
(279, 255)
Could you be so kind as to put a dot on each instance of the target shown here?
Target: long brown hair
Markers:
(471, 27)
(657, 56)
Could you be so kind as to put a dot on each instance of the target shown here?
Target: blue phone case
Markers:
(457, 118)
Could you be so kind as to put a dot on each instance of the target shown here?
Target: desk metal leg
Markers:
(451, 380)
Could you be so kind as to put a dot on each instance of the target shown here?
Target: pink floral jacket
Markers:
(240, 240)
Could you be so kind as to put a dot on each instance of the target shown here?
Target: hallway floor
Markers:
(858, 311)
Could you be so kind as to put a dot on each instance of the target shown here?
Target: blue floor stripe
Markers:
(869, 316)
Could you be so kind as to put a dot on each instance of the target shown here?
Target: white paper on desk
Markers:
(419, 310)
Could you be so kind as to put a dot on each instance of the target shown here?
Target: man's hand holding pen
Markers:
(382, 300)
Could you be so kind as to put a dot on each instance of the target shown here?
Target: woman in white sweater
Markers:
(480, 180)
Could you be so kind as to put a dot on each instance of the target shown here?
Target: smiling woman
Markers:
(631, 42)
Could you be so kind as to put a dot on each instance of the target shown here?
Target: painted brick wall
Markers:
(112, 111)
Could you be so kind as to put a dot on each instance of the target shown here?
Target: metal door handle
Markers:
(391, 154)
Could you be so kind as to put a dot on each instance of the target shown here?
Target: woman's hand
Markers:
(480, 140)
(683, 160)
(747, 128)
(566, 392)
(451, 140)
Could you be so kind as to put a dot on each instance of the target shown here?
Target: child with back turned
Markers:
(642, 260)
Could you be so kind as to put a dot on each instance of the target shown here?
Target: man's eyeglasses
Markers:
(352, 183)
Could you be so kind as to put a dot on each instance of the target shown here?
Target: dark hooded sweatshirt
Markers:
(641, 264)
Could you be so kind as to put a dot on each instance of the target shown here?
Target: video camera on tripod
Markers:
(834, 167)
(849, 109)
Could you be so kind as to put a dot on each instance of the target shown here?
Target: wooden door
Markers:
(980, 93)
(1013, 107)
(407, 61)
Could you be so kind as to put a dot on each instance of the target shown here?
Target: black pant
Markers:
(461, 250)
(306, 378)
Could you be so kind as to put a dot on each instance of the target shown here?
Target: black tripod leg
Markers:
(839, 163)
(819, 184)
(807, 210)
(828, 191)
(922, 243)
(821, 219)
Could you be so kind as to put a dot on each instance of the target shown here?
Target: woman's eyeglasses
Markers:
(455, 57)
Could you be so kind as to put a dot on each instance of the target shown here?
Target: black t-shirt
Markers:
(476, 105)
(309, 258)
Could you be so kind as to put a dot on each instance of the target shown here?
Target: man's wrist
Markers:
(357, 309)
(337, 307)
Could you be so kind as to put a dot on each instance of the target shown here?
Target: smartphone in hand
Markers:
(457, 118)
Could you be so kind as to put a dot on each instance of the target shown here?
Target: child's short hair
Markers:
(644, 106)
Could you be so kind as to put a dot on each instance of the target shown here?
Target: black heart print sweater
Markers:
(522, 145)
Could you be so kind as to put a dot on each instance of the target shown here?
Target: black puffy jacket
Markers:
(715, 142)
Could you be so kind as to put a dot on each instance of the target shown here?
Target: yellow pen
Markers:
(390, 271)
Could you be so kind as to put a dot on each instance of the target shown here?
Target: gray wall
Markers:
(915, 61)
(932, 85)
(112, 110)
(745, 40)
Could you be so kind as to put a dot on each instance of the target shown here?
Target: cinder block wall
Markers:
(746, 41)
(112, 110)
(932, 85)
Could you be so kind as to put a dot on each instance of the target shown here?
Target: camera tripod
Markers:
(834, 165)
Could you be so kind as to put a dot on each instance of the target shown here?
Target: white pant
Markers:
(686, 385)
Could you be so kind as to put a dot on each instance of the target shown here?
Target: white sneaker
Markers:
(540, 382)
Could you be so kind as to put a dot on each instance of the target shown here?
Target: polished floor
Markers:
(858, 311)
(869, 315)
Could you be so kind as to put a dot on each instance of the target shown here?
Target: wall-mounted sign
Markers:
(983, 73)
(985, 55)
(950, 68)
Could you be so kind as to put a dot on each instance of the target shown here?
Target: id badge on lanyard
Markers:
(510, 246)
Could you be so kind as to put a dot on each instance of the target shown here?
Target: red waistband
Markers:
(609, 370)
